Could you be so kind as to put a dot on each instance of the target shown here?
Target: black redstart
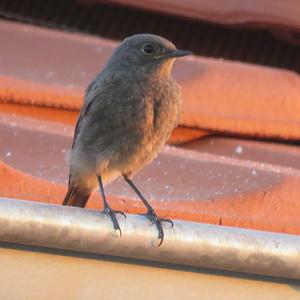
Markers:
(129, 112)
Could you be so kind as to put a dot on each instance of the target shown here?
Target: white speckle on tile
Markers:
(50, 74)
(70, 85)
(238, 150)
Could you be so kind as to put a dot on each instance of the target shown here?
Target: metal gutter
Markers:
(187, 243)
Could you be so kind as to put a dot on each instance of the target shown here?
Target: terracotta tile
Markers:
(64, 116)
(35, 189)
(180, 183)
(264, 152)
(258, 13)
(179, 136)
(258, 190)
(15, 184)
(240, 99)
(231, 192)
(219, 96)
(182, 134)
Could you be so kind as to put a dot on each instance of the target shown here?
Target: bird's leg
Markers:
(107, 209)
(151, 214)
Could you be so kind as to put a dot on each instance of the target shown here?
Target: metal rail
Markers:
(187, 243)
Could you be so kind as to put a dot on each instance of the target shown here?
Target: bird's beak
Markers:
(178, 53)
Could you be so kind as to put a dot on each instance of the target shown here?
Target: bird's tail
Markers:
(76, 196)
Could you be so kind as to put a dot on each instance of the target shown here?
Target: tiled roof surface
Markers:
(210, 178)
(258, 12)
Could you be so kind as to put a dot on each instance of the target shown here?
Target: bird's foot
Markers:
(153, 217)
(112, 215)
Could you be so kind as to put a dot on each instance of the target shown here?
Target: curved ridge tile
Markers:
(219, 96)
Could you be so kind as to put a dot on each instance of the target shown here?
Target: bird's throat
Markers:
(165, 68)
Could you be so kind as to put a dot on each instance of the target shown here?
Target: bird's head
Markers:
(146, 52)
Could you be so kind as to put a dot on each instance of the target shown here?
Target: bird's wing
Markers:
(84, 110)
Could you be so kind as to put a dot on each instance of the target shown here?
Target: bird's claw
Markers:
(120, 212)
(168, 221)
(155, 219)
(112, 215)
(152, 216)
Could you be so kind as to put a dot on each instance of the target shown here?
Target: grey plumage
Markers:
(129, 112)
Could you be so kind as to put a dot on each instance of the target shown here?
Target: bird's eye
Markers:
(148, 49)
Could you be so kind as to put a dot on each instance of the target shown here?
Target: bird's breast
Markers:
(152, 114)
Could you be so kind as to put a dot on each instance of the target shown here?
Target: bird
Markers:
(129, 111)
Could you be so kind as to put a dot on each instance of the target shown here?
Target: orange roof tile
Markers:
(255, 189)
(220, 96)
